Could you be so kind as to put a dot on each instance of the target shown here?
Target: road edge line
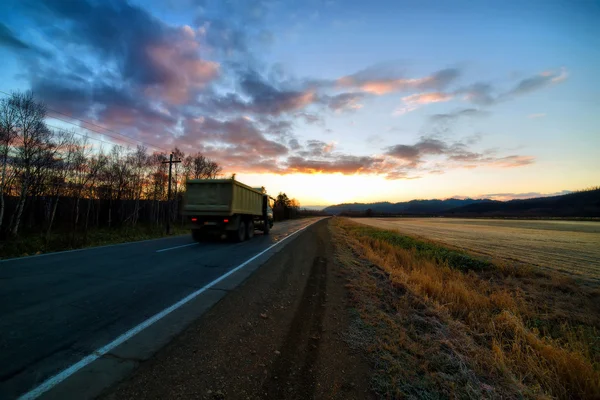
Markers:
(176, 247)
(51, 253)
(66, 373)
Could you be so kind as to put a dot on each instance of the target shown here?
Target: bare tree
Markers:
(33, 139)
(8, 132)
(138, 161)
(94, 167)
(117, 174)
(212, 170)
(44, 172)
(200, 167)
(70, 156)
(81, 173)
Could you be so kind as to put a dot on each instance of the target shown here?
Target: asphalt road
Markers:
(55, 309)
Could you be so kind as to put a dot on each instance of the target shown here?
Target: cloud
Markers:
(509, 161)
(343, 101)
(371, 81)
(459, 153)
(240, 136)
(294, 144)
(537, 82)
(268, 99)
(232, 28)
(138, 51)
(206, 87)
(401, 161)
(317, 148)
(344, 164)
(182, 74)
(465, 112)
(262, 97)
(310, 118)
(224, 37)
(413, 153)
(521, 196)
(8, 39)
(484, 94)
(477, 93)
(538, 115)
(413, 101)
(473, 138)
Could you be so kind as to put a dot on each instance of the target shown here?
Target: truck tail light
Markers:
(194, 219)
(226, 220)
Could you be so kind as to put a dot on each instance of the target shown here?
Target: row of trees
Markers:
(47, 173)
(285, 208)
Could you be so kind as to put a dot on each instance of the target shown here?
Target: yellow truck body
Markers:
(226, 207)
(222, 197)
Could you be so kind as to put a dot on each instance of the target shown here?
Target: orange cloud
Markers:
(383, 87)
(413, 101)
(426, 98)
(367, 82)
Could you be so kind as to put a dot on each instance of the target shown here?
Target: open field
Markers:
(439, 322)
(567, 246)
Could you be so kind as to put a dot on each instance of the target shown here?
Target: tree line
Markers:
(53, 177)
(285, 208)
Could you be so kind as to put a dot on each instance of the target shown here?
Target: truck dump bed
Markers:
(221, 197)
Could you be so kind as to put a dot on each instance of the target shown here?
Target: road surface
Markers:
(282, 334)
(56, 309)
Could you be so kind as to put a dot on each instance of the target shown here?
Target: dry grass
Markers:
(441, 324)
(567, 246)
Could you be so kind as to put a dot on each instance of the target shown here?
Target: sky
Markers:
(329, 101)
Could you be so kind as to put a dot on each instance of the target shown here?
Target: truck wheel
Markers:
(241, 232)
(266, 226)
(197, 235)
(250, 230)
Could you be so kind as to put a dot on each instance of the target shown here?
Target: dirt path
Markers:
(279, 335)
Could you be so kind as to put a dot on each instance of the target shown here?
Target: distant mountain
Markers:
(578, 204)
(407, 207)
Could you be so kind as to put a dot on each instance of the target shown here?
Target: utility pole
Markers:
(170, 162)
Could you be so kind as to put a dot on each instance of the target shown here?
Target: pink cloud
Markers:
(512, 161)
(413, 101)
(182, 73)
(367, 82)
(380, 87)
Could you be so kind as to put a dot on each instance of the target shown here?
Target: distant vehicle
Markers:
(226, 207)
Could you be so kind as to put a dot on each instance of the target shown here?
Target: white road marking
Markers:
(176, 247)
(82, 249)
(66, 373)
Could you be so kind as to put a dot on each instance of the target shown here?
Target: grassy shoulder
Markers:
(29, 244)
(441, 323)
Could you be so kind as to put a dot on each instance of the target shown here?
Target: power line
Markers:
(99, 126)
(131, 140)
(82, 135)
(104, 133)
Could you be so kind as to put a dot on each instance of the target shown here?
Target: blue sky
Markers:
(331, 101)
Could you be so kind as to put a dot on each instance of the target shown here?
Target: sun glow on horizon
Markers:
(318, 189)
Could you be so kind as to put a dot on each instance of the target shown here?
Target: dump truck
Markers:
(226, 207)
